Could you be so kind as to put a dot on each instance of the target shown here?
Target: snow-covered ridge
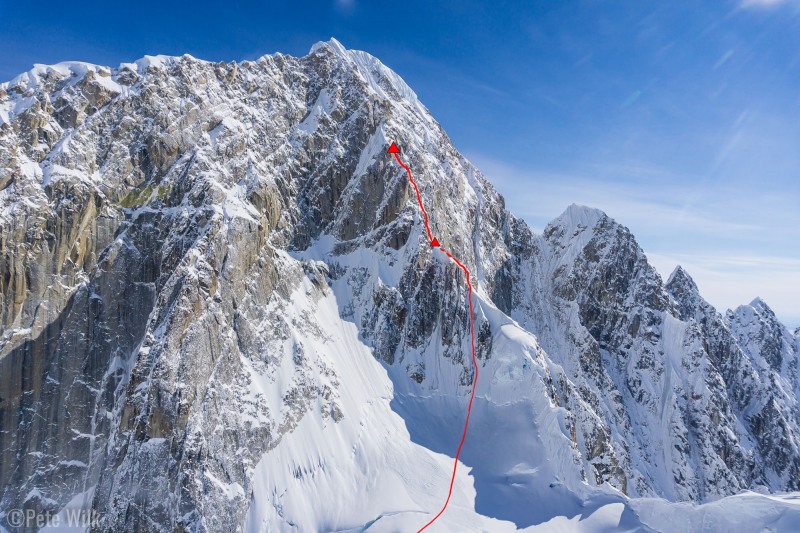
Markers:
(75, 70)
(18, 92)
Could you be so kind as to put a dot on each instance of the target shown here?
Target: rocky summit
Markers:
(220, 312)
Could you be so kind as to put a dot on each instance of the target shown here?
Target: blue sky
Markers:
(681, 121)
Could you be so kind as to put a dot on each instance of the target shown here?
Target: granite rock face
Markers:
(167, 228)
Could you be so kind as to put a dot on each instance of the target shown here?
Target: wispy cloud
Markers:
(762, 4)
(718, 234)
(728, 281)
(651, 200)
(345, 6)
(723, 59)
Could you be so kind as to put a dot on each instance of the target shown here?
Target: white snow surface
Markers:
(392, 452)
(382, 454)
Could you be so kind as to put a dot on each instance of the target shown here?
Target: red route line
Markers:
(393, 150)
(419, 198)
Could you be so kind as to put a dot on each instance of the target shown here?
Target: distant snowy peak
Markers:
(762, 308)
(645, 332)
(757, 317)
(683, 289)
(574, 220)
(756, 314)
(587, 246)
(681, 278)
(689, 303)
(567, 236)
(763, 337)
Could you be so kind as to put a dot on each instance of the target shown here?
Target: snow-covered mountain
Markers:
(220, 312)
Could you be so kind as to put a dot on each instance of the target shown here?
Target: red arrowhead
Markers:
(393, 149)
(435, 243)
